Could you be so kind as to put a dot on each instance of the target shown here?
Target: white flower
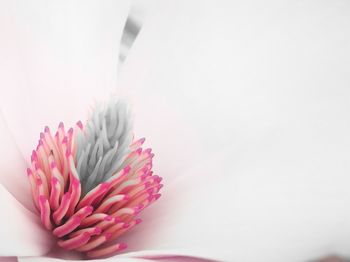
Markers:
(254, 96)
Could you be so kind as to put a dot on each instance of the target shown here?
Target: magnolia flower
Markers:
(244, 103)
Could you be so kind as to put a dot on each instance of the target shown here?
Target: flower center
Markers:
(89, 184)
(103, 145)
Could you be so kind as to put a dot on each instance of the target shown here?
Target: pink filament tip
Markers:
(97, 231)
(38, 182)
(108, 218)
(150, 198)
(89, 209)
(138, 221)
(61, 125)
(157, 196)
(127, 169)
(126, 198)
(148, 150)
(80, 124)
(139, 151)
(68, 153)
(104, 186)
(29, 172)
(47, 129)
(33, 157)
(122, 246)
(54, 180)
(107, 235)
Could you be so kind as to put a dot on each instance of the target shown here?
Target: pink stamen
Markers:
(95, 242)
(75, 191)
(80, 124)
(58, 176)
(139, 199)
(106, 223)
(117, 226)
(65, 140)
(148, 150)
(126, 187)
(93, 194)
(125, 211)
(119, 178)
(84, 212)
(71, 224)
(42, 184)
(107, 203)
(137, 144)
(93, 231)
(62, 209)
(55, 193)
(157, 196)
(75, 242)
(45, 212)
(33, 187)
(93, 219)
(90, 222)
(117, 233)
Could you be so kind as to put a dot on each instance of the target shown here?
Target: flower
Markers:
(245, 105)
(89, 184)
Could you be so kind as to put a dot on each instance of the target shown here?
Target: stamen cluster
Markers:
(90, 222)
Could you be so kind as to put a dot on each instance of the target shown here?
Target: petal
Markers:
(246, 107)
(48, 259)
(56, 59)
(166, 256)
(13, 168)
(21, 232)
(267, 207)
(120, 258)
(8, 259)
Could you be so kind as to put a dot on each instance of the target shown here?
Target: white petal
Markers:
(56, 59)
(169, 255)
(21, 233)
(8, 259)
(13, 168)
(246, 107)
(118, 258)
(48, 259)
